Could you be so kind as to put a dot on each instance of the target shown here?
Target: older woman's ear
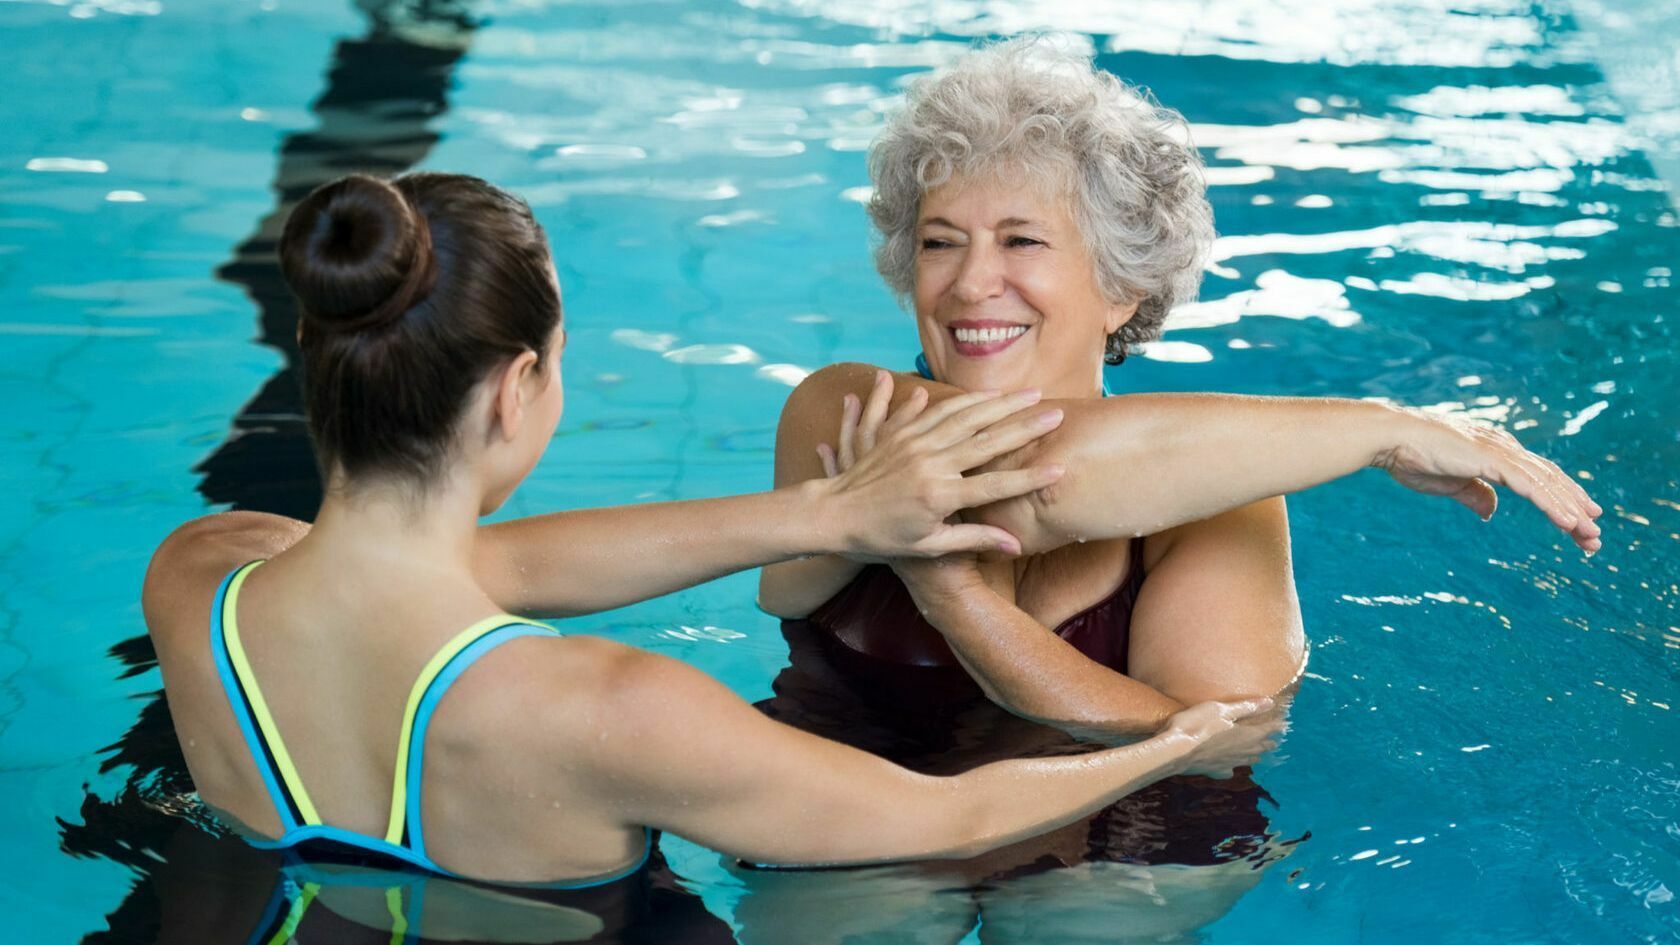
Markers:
(1117, 316)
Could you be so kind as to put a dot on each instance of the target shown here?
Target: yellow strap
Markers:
(259, 707)
(300, 905)
(399, 922)
(440, 659)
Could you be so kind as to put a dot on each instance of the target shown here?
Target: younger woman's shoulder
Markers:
(188, 565)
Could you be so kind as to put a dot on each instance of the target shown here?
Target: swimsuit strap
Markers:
(268, 749)
(452, 659)
(923, 369)
(404, 838)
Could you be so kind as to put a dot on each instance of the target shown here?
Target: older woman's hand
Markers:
(1462, 460)
(896, 482)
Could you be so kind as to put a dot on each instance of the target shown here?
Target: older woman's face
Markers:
(1006, 296)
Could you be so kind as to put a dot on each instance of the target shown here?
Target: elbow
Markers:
(778, 599)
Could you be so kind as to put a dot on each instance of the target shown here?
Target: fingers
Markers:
(874, 412)
(1587, 530)
(849, 412)
(831, 468)
(933, 416)
(906, 413)
(974, 418)
(1527, 479)
(1000, 438)
(986, 488)
(1553, 491)
(1562, 489)
(970, 538)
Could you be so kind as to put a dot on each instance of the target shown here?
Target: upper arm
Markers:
(1218, 617)
(678, 751)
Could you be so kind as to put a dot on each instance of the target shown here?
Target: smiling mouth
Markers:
(979, 340)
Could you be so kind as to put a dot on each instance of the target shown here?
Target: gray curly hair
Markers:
(1042, 110)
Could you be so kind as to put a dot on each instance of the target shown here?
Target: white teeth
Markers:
(987, 335)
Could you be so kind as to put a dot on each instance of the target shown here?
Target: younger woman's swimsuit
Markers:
(301, 827)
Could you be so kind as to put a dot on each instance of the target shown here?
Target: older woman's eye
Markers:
(1022, 241)
(932, 243)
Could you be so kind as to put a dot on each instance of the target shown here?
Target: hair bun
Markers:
(357, 254)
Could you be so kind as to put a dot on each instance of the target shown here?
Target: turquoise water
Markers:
(1456, 205)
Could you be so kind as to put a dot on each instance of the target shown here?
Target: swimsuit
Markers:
(867, 670)
(875, 616)
(301, 826)
(875, 619)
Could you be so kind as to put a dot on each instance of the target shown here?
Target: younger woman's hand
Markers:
(1463, 460)
(1226, 735)
(897, 479)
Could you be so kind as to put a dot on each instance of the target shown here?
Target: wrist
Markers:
(1176, 747)
(821, 526)
(1385, 429)
(938, 592)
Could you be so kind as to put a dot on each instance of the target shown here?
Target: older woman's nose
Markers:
(981, 276)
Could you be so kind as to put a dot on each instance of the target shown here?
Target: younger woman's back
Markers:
(334, 651)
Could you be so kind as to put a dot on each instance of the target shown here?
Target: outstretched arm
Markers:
(894, 503)
(1140, 464)
(1143, 463)
(720, 773)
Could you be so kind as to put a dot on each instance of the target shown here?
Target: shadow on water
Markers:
(196, 884)
(383, 89)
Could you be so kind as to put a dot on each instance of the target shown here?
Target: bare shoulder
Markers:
(818, 395)
(612, 711)
(812, 412)
(186, 568)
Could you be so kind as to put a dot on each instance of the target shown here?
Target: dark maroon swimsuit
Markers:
(875, 617)
(866, 669)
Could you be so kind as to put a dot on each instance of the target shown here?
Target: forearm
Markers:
(1140, 464)
(1006, 801)
(589, 560)
(793, 589)
(896, 815)
(1030, 671)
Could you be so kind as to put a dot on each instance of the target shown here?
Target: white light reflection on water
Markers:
(1493, 245)
(1492, 155)
(1411, 32)
(1276, 294)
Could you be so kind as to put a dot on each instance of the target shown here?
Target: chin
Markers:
(982, 374)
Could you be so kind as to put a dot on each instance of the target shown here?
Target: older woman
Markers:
(1041, 217)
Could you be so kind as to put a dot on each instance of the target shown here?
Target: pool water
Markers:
(1468, 206)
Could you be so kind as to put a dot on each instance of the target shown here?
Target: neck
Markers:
(1074, 386)
(399, 526)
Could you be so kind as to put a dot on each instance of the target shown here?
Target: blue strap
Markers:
(241, 711)
(277, 898)
(423, 719)
(417, 755)
(923, 370)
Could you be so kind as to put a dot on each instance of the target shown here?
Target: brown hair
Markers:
(410, 292)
